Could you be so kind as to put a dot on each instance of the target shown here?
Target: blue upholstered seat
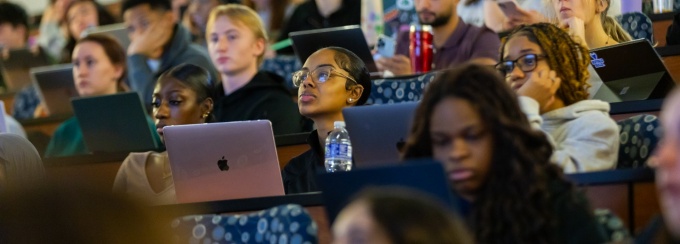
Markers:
(639, 137)
(281, 224)
(397, 90)
(637, 24)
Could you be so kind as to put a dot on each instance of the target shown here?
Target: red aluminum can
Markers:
(421, 49)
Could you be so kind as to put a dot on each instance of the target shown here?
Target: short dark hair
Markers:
(163, 5)
(356, 68)
(196, 78)
(11, 13)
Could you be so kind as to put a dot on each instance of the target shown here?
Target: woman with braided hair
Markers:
(549, 72)
(471, 122)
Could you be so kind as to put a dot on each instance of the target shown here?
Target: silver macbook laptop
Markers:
(221, 161)
(378, 132)
(55, 87)
(117, 31)
(630, 71)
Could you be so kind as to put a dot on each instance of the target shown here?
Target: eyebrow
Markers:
(320, 65)
(523, 51)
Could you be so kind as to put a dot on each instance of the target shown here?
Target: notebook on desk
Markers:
(114, 123)
(426, 176)
(56, 87)
(349, 37)
(378, 132)
(630, 71)
(15, 70)
(223, 161)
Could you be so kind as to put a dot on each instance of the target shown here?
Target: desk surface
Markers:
(611, 177)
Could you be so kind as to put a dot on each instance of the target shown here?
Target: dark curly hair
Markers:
(565, 56)
(513, 204)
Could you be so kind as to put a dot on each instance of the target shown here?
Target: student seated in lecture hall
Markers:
(183, 95)
(331, 79)
(497, 162)
(549, 72)
(397, 215)
(587, 20)
(454, 41)
(98, 69)
(666, 162)
(237, 42)
(157, 43)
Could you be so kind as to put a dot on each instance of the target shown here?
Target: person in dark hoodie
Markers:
(237, 43)
(157, 44)
(317, 14)
(331, 79)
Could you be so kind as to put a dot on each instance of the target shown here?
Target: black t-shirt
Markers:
(307, 17)
(299, 175)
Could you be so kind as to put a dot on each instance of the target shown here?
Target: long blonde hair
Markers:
(612, 27)
(245, 16)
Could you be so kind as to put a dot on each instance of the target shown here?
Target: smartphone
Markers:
(510, 8)
(385, 46)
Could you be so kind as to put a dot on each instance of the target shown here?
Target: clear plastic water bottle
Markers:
(338, 149)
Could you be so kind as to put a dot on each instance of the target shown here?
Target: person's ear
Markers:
(601, 6)
(169, 17)
(206, 107)
(118, 71)
(354, 94)
(259, 47)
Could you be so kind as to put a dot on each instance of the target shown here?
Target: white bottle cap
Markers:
(339, 124)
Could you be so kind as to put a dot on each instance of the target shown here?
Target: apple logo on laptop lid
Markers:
(222, 164)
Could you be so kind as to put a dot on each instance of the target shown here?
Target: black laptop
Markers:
(114, 123)
(349, 37)
(14, 71)
(630, 71)
(378, 132)
(56, 87)
(426, 176)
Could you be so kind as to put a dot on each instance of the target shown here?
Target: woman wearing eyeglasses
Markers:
(237, 43)
(331, 79)
(549, 72)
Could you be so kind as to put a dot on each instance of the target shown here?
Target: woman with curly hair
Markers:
(549, 72)
(471, 122)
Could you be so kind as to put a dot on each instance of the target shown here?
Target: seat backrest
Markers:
(281, 224)
(637, 24)
(613, 226)
(284, 66)
(639, 136)
(397, 90)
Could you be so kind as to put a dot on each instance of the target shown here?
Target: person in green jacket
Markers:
(98, 69)
(470, 121)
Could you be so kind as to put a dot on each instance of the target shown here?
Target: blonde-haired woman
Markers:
(588, 20)
(237, 42)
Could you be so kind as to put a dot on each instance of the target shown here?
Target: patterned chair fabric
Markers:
(639, 135)
(398, 90)
(637, 24)
(281, 224)
(284, 66)
(613, 226)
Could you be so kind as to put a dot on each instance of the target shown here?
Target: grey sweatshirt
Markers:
(583, 135)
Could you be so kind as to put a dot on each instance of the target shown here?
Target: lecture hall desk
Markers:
(630, 194)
